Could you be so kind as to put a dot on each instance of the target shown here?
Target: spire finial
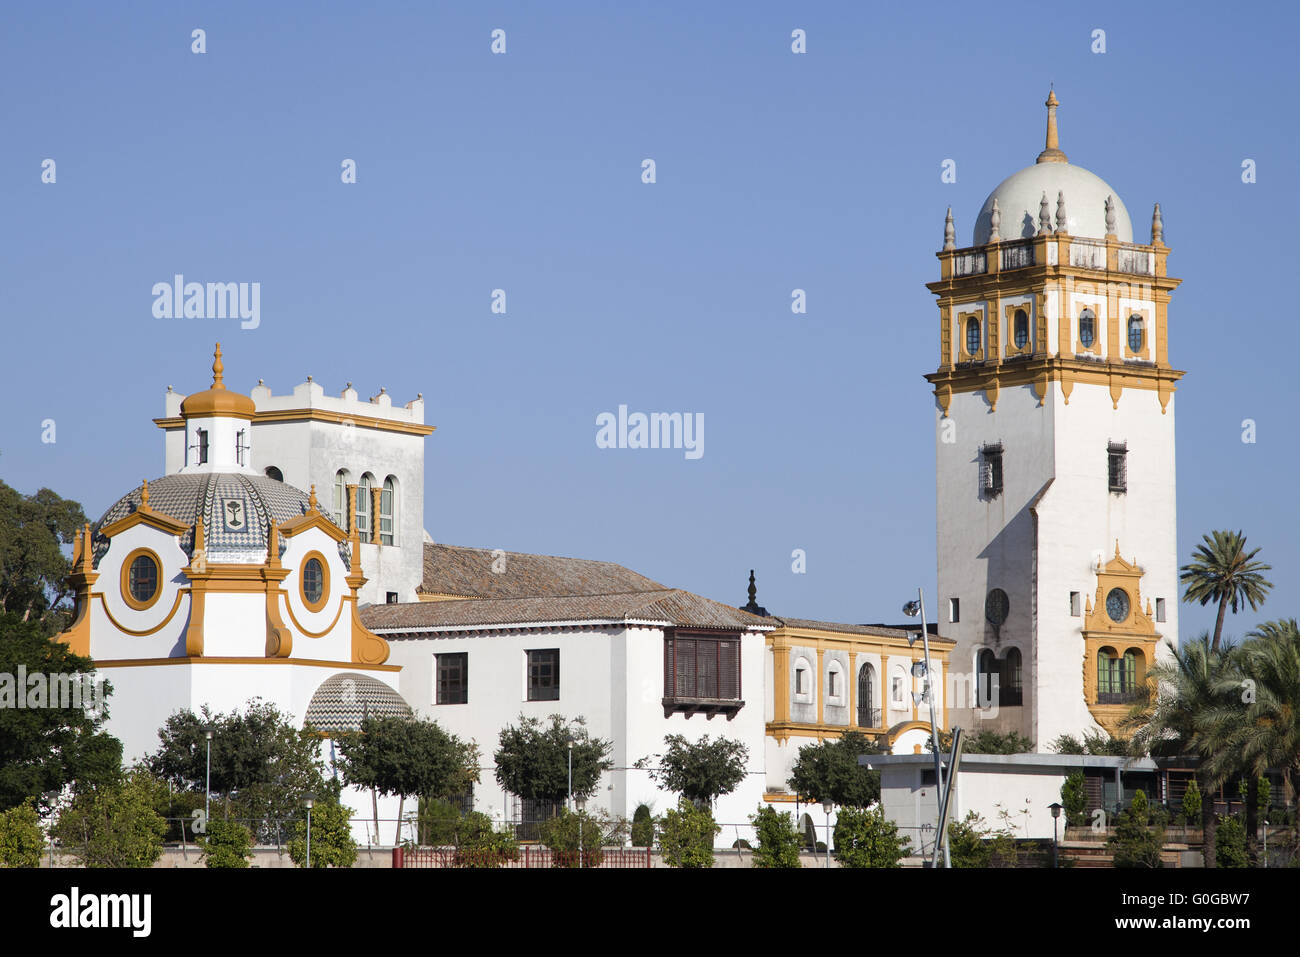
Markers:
(1157, 228)
(1062, 218)
(144, 494)
(949, 232)
(1052, 152)
(1044, 216)
(218, 369)
(753, 588)
(1117, 548)
(311, 499)
(995, 221)
(1110, 215)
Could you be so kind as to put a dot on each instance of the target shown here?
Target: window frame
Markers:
(321, 602)
(388, 491)
(443, 690)
(1117, 466)
(726, 674)
(128, 594)
(365, 506)
(535, 689)
(991, 471)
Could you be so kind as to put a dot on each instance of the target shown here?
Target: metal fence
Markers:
(528, 855)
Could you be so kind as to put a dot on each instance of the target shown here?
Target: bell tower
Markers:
(1054, 406)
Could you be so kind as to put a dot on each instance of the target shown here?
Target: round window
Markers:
(1117, 604)
(313, 581)
(997, 606)
(143, 578)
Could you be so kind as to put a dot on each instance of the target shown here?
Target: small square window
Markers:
(1160, 609)
(544, 675)
(954, 609)
(896, 690)
(798, 681)
(390, 597)
(453, 678)
(1117, 470)
(834, 684)
(1075, 608)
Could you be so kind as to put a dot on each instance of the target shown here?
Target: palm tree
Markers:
(1176, 715)
(1221, 570)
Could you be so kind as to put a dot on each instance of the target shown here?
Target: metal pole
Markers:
(828, 840)
(934, 730)
(309, 836)
(207, 791)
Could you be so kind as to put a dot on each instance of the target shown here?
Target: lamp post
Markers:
(1055, 808)
(580, 805)
(911, 610)
(207, 789)
(309, 799)
(827, 807)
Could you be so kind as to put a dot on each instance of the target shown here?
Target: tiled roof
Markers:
(454, 570)
(671, 606)
(344, 699)
(883, 631)
(236, 510)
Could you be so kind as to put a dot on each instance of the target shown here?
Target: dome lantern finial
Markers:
(949, 232)
(1052, 151)
(1062, 217)
(995, 223)
(1044, 216)
(218, 369)
(1157, 227)
(1110, 216)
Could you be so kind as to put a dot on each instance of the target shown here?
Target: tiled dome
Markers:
(344, 699)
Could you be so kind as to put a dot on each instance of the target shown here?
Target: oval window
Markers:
(1087, 328)
(1022, 328)
(313, 581)
(1117, 604)
(997, 606)
(143, 583)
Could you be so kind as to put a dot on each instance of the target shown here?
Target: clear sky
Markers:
(523, 172)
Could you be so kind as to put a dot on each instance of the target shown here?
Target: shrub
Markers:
(778, 838)
(868, 839)
(966, 844)
(117, 824)
(563, 833)
(479, 844)
(1230, 842)
(438, 822)
(1136, 843)
(1192, 803)
(227, 844)
(686, 836)
(21, 840)
(1075, 800)
(331, 837)
(643, 827)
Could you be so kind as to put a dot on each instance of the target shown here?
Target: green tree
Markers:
(571, 832)
(968, 844)
(115, 825)
(21, 839)
(699, 771)
(1139, 835)
(408, 757)
(331, 836)
(262, 764)
(533, 759)
(44, 749)
(686, 836)
(1222, 571)
(866, 838)
(643, 827)
(1192, 717)
(1230, 841)
(1074, 799)
(227, 844)
(1191, 803)
(437, 822)
(829, 771)
(479, 844)
(34, 583)
(778, 838)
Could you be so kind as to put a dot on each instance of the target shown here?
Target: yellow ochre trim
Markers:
(318, 415)
(188, 660)
(180, 592)
(318, 604)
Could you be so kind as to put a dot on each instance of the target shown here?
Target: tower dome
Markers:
(1081, 194)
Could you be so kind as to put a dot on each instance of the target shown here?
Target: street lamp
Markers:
(580, 804)
(309, 799)
(207, 792)
(828, 806)
(911, 609)
(1055, 808)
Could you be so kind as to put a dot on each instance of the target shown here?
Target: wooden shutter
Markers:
(729, 668)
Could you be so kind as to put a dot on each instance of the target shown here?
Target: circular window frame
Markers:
(130, 599)
(1128, 605)
(988, 607)
(314, 606)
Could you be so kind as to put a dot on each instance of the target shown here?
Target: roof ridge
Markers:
(565, 558)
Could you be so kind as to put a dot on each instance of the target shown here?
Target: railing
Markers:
(869, 718)
(969, 264)
(1116, 697)
(1137, 261)
(1018, 256)
(526, 856)
(1086, 254)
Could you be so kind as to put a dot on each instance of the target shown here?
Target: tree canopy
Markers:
(829, 771)
(533, 759)
(699, 771)
(33, 568)
(1222, 571)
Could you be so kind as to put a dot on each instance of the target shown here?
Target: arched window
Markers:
(364, 506)
(1087, 328)
(387, 511)
(868, 713)
(1012, 690)
(274, 473)
(340, 511)
(1021, 328)
(1135, 333)
(972, 336)
(989, 682)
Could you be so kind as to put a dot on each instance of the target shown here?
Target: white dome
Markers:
(1020, 194)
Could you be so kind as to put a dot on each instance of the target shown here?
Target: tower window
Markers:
(833, 691)
(363, 506)
(1117, 469)
(991, 470)
(1087, 328)
(386, 502)
(340, 515)
(1135, 333)
(1160, 609)
(1021, 328)
(972, 336)
(1075, 607)
(240, 447)
(954, 609)
(274, 473)
(202, 439)
(798, 681)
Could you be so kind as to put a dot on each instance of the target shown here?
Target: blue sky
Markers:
(522, 172)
